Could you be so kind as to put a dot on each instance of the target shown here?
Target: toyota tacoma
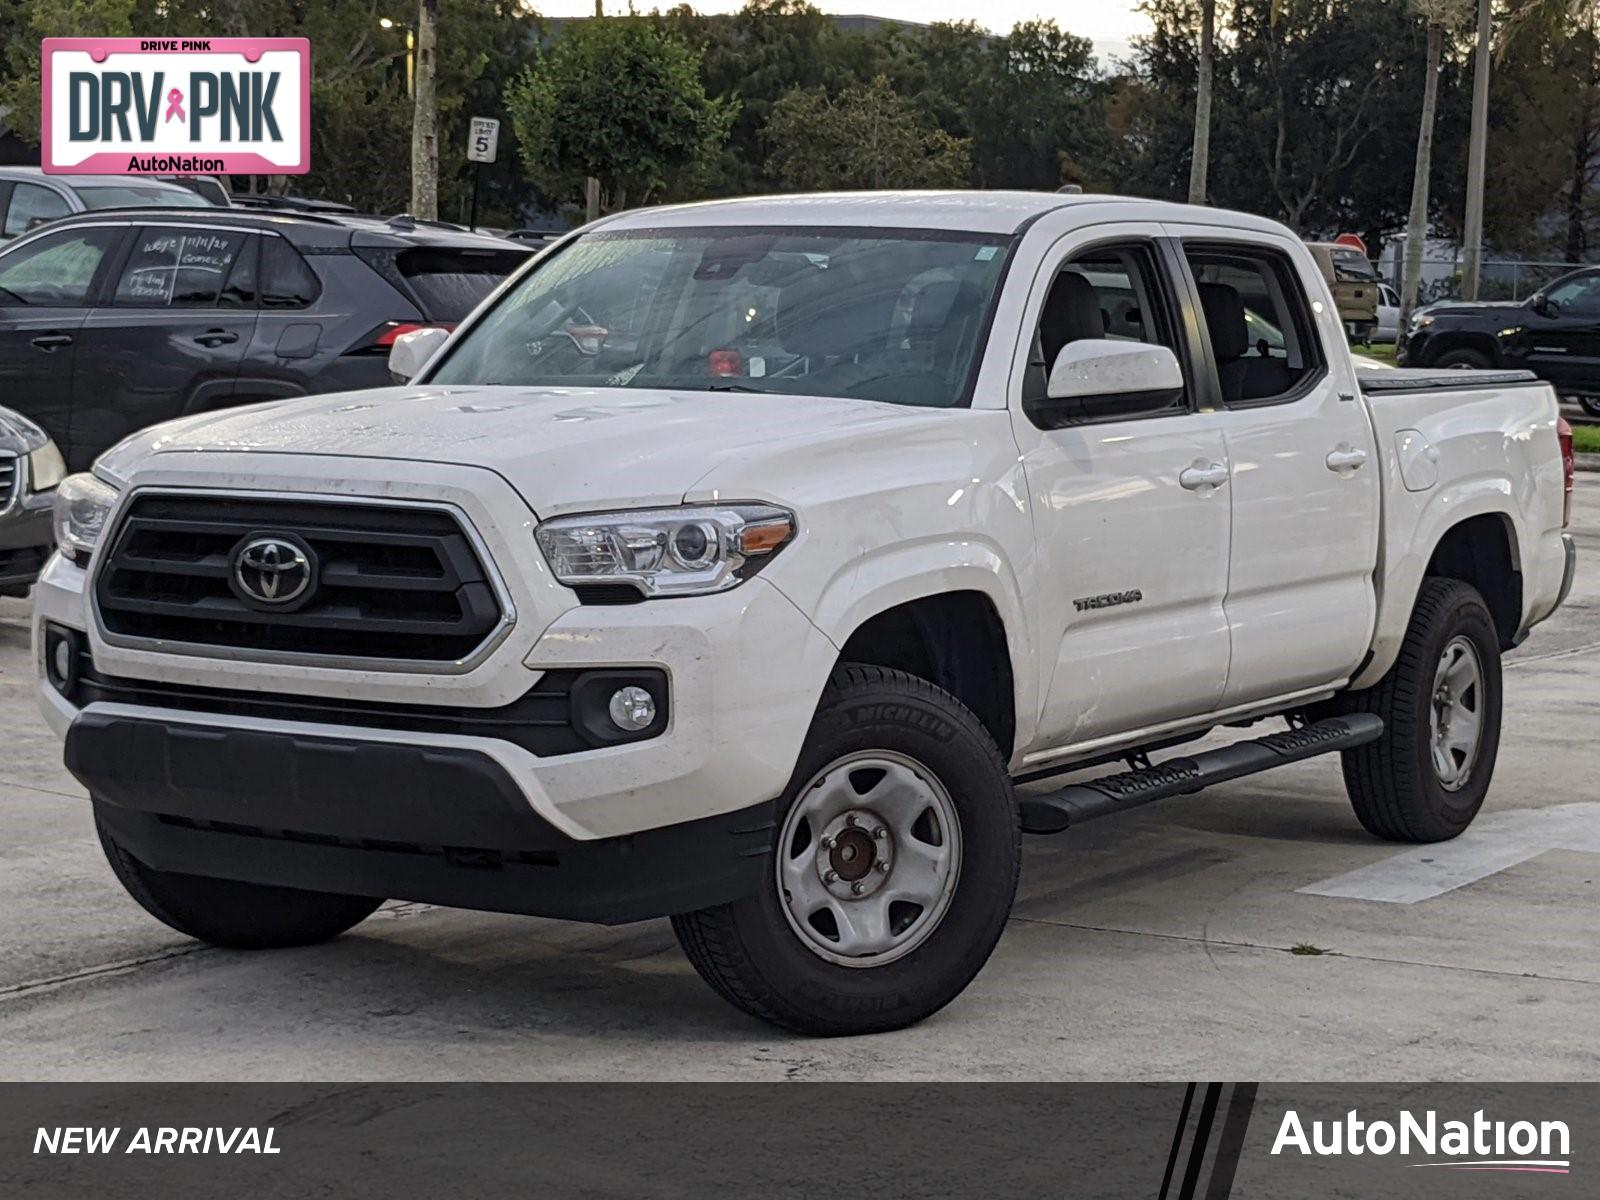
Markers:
(735, 562)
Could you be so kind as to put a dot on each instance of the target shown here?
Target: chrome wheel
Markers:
(868, 859)
(1456, 720)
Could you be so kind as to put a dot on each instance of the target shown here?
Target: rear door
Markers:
(168, 339)
(47, 285)
(1305, 472)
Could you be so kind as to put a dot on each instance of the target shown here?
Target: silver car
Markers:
(29, 197)
(30, 469)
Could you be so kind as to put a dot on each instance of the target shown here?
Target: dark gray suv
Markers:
(113, 321)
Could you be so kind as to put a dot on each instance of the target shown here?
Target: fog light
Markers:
(61, 659)
(632, 709)
(61, 648)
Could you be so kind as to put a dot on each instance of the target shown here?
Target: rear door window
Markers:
(1258, 321)
(448, 284)
(179, 268)
(1349, 264)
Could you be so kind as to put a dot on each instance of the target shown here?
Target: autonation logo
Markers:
(1476, 1145)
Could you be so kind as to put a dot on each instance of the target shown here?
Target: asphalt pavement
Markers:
(1251, 932)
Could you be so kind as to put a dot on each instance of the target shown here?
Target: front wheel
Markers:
(1425, 778)
(894, 867)
(1590, 405)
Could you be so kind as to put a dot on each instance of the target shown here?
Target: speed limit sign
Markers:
(483, 139)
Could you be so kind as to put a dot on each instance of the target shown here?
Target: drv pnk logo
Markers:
(169, 105)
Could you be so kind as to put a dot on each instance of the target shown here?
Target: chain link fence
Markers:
(1498, 279)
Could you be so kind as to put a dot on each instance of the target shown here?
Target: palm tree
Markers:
(1199, 164)
(1440, 16)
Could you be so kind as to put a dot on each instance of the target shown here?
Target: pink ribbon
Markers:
(175, 105)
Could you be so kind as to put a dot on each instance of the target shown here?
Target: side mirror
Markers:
(411, 352)
(1100, 378)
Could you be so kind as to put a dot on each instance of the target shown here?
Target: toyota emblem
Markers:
(272, 572)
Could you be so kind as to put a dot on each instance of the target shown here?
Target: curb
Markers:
(1587, 462)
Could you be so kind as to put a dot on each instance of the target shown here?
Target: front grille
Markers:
(397, 582)
(9, 477)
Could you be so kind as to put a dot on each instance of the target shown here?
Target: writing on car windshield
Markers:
(867, 314)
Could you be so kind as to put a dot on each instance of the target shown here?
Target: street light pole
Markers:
(591, 185)
(1472, 226)
(425, 118)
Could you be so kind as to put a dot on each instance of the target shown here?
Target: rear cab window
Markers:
(31, 206)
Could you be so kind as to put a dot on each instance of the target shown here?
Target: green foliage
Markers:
(620, 100)
(866, 137)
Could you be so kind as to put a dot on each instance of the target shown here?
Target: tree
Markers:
(867, 137)
(621, 100)
(1440, 17)
(1202, 103)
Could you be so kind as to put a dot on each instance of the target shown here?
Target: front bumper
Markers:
(25, 540)
(434, 824)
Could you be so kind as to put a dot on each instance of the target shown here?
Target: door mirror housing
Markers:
(411, 352)
(1098, 378)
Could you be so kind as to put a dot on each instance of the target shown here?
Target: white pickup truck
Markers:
(734, 562)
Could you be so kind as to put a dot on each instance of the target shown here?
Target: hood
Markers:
(564, 449)
(1478, 308)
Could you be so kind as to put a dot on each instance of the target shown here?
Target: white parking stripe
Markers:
(1495, 842)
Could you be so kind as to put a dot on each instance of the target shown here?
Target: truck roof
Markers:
(999, 212)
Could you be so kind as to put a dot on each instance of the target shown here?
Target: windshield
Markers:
(131, 195)
(865, 314)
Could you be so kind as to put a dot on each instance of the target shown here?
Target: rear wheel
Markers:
(894, 867)
(225, 912)
(1426, 777)
(1590, 405)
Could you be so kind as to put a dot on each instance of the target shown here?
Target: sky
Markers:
(1110, 24)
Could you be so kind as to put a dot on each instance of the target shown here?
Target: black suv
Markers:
(1555, 333)
(113, 321)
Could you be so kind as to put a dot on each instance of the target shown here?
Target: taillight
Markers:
(1569, 469)
(382, 338)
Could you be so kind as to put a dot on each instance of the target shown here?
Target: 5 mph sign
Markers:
(132, 106)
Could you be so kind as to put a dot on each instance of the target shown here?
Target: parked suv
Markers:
(110, 322)
(1555, 333)
(30, 198)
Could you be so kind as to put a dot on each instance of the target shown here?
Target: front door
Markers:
(46, 287)
(1563, 335)
(1130, 515)
(1301, 601)
(170, 336)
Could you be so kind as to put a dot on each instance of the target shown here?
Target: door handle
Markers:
(50, 342)
(1203, 474)
(217, 337)
(1346, 458)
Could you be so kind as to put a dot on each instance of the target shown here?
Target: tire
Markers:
(240, 916)
(1465, 357)
(1395, 783)
(762, 953)
(1590, 405)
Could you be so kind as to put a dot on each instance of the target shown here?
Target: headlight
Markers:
(46, 467)
(666, 551)
(1421, 319)
(82, 505)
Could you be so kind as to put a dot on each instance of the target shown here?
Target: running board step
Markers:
(1080, 802)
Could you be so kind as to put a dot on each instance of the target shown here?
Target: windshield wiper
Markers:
(735, 387)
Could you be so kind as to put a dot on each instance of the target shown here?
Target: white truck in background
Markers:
(734, 561)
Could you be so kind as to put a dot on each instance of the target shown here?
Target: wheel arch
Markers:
(1465, 339)
(956, 640)
(1479, 545)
